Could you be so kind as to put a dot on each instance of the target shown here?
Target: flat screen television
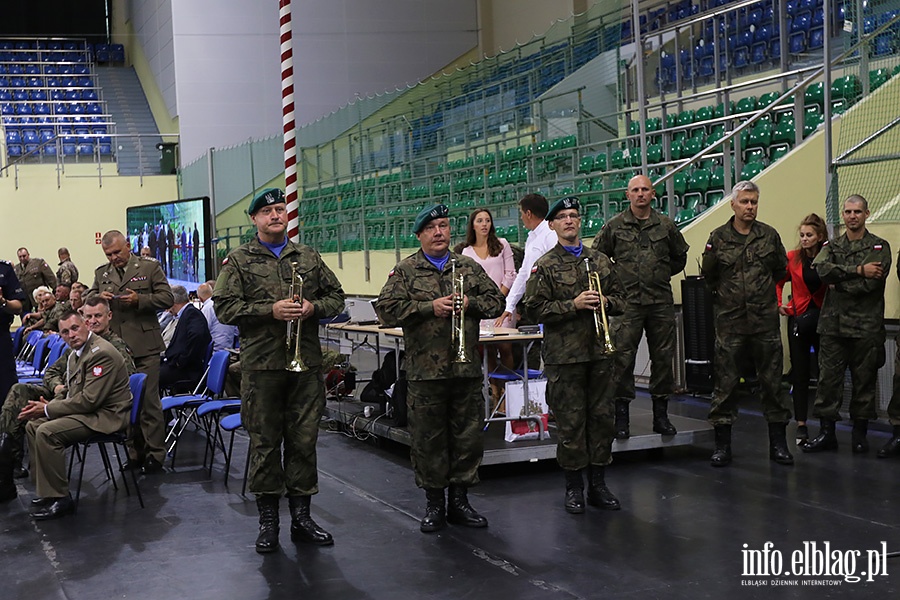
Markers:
(177, 234)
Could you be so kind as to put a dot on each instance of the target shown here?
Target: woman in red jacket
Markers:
(802, 310)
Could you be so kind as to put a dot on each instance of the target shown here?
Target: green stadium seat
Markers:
(671, 120)
(811, 122)
(680, 181)
(686, 117)
(617, 160)
(755, 155)
(720, 109)
(677, 149)
(586, 165)
(847, 88)
(760, 136)
(713, 198)
(777, 152)
(815, 96)
(570, 141)
(751, 170)
(654, 154)
(634, 128)
(653, 124)
(717, 179)
(698, 182)
(542, 147)
(746, 105)
(784, 133)
(684, 215)
(704, 113)
(600, 162)
(877, 78)
(691, 147)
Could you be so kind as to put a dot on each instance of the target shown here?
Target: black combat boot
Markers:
(303, 528)
(575, 492)
(892, 448)
(267, 540)
(7, 487)
(598, 494)
(778, 450)
(622, 430)
(661, 423)
(19, 470)
(826, 440)
(721, 456)
(858, 442)
(435, 517)
(459, 511)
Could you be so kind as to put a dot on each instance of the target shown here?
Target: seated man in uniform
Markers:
(97, 317)
(98, 401)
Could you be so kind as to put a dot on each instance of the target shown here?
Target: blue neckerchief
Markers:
(574, 250)
(275, 248)
(438, 262)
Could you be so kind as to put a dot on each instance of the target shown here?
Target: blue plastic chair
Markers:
(138, 384)
(232, 423)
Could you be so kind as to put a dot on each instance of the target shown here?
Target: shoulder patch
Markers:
(878, 247)
(825, 243)
(391, 274)
(709, 246)
(534, 269)
(97, 371)
(225, 261)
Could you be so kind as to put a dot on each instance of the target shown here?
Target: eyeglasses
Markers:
(567, 216)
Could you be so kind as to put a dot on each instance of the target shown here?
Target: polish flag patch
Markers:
(97, 371)
(878, 246)
(391, 274)
(709, 246)
(534, 269)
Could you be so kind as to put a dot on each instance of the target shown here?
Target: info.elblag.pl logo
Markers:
(815, 564)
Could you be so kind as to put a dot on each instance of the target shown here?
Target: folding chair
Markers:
(232, 423)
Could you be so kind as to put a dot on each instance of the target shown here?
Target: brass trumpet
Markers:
(295, 361)
(458, 318)
(601, 325)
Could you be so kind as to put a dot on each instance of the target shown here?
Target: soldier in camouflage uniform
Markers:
(579, 372)
(444, 397)
(67, 273)
(648, 250)
(279, 407)
(851, 326)
(742, 262)
(33, 273)
(97, 317)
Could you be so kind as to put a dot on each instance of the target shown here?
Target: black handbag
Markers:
(805, 325)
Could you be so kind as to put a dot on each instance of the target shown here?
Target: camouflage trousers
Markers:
(281, 408)
(765, 351)
(893, 408)
(16, 400)
(658, 320)
(863, 356)
(445, 422)
(581, 398)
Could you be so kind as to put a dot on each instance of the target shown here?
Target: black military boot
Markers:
(721, 456)
(778, 450)
(303, 528)
(598, 494)
(18, 453)
(459, 511)
(267, 540)
(575, 492)
(826, 440)
(858, 442)
(622, 430)
(661, 423)
(7, 487)
(435, 517)
(892, 448)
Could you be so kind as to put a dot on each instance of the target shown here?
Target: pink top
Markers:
(501, 268)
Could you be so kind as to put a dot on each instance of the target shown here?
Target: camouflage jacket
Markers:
(56, 373)
(252, 280)
(647, 252)
(854, 305)
(406, 301)
(51, 317)
(557, 278)
(742, 272)
(67, 273)
(34, 274)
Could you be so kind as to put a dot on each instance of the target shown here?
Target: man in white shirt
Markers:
(533, 210)
(222, 335)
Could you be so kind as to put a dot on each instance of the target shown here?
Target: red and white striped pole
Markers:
(287, 116)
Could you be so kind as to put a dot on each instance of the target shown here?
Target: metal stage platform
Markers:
(498, 451)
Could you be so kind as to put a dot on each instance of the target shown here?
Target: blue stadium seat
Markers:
(816, 38)
(41, 109)
(14, 150)
(20, 95)
(741, 57)
(30, 136)
(758, 54)
(801, 22)
(707, 67)
(13, 136)
(73, 95)
(883, 44)
(5, 96)
(38, 95)
(85, 149)
(23, 109)
(797, 43)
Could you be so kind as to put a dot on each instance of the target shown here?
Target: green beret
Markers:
(429, 214)
(266, 197)
(563, 204)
